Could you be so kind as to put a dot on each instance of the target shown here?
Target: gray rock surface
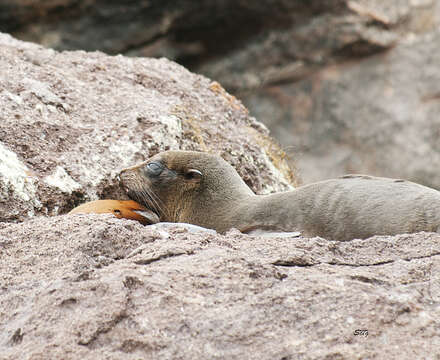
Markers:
(95, 287)
(246, 39)
(378, 116)
(337, 82)
(70, 121)
(202, 30)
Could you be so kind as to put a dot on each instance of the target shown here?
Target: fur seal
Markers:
(127, 209)
(203, 189)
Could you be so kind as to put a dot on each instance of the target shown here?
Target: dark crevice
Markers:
(368, 280)
(161, 257)
(303, 263)
(294, 263)
(105, 328)
(379, 263)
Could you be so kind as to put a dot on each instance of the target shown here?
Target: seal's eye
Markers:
(154, 168)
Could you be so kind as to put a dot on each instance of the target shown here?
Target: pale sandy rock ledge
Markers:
(71, 120)
(95, 287)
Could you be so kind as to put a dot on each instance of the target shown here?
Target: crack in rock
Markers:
(361, 265)
(146, 261)
(103, 329)
(292, 262)
(308, 262)
(17, 337)
(88, 338)
(368, 280)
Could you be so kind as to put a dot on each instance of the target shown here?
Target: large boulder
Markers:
(304, 68)
(374, 116)
(96, 287)
(208, 30)
(70, 121)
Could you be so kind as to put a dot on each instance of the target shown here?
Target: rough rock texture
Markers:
(188, 30)
(70, 121)
(318, 34)
(93, 286)
(301, 67)
(98, 287)
(237, 36)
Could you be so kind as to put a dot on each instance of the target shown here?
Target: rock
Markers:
(181, 29)
(72, 120)
(244, 45)
(305, 69)
(377, 116)
(281, 58)
(208, 32)
(93, 286)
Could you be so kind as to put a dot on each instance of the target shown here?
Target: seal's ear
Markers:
(193, 175)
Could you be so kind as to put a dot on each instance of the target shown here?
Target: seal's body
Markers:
(127, 209)
(352, 207)
(203, 189)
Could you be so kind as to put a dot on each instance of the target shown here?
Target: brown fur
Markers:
(355, 206)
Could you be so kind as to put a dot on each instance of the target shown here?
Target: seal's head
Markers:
(185, 186)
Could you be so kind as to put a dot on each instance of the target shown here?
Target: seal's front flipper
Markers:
(149, 217)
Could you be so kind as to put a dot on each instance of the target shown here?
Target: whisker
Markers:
(146, 195)
(159, 202)
(138, 193)
(154, 201)
(149, 200)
